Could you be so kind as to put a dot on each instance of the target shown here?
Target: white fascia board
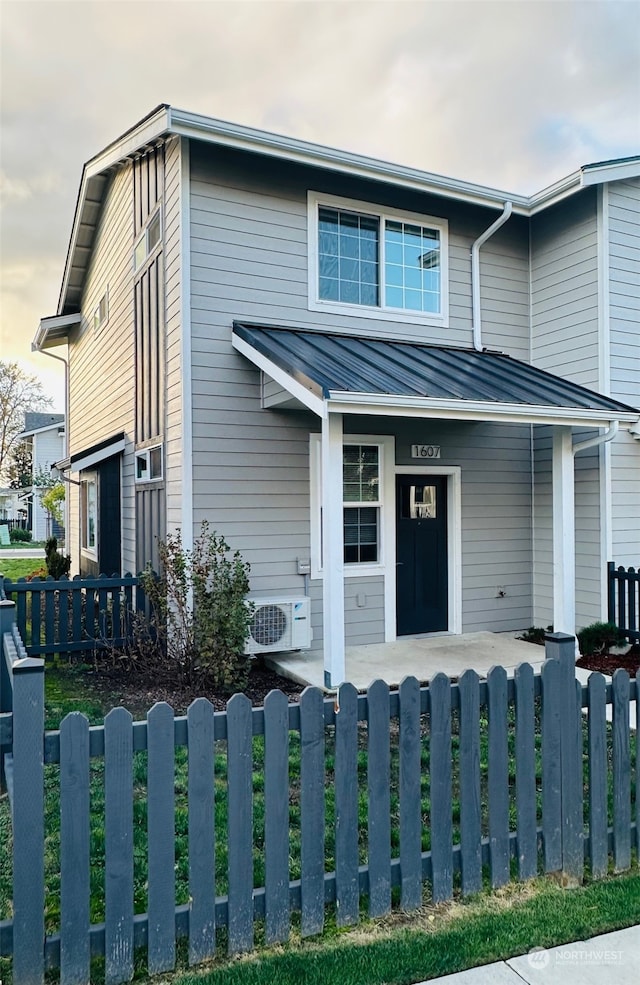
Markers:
(48, 427)
(597, 174)
(80, 464)
(390, 405)
(54, 330)
(204, 128)
(296, 389)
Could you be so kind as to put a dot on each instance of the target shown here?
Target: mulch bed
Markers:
(608, 663)
(138, 693)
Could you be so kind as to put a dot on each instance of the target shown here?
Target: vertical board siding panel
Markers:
(551, 803)
(75, 890)
(312, 811)
(621, 772)
(470, 803)
(597, 745)
(148, 349)
(161, 838)
(153, 379)
(201, 791)
(498, 777)
(379, 786)
(240, 823)
(118, 807)
(441, 792)
(276, 807)
(29, 833)
(410, 796)
(139, 358)
(526, 772)
(346, 790)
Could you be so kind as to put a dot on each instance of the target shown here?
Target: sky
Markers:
(513, 94)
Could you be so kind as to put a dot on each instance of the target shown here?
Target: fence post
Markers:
(28, 821)
(7, 617)
(561, 647)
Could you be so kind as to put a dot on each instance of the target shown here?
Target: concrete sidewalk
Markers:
(610, 959)
(27, 552)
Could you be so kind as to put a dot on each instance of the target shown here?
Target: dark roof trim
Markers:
(390, 377)
(97, 453)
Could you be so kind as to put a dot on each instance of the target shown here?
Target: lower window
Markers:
(89, 514)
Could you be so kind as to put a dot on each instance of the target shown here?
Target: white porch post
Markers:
(332, 551)
(564, 547)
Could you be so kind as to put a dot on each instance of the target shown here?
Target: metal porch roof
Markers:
(347, 370)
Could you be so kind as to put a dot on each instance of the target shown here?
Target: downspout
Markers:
(475, 274)
(599, 439)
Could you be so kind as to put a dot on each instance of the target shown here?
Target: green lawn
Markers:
(20, 567)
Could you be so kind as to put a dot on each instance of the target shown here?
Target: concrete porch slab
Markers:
(421, 658)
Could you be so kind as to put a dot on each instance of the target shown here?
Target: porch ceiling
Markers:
(349, 374)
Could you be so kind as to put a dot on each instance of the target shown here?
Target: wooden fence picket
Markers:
(201, 806)
(551, 772)
(498, 777)
(525, 769)
(621, 772)
(75, 889)
(312, 811)
(276, 809)
(379, 799)
(240, 823)
(410, 796)
(161, 947)
(441, 789)
(118, 876)
(469, 782)
(597, 759)
(346, 791)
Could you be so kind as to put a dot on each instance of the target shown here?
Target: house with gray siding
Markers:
(44, 435)
(412, 400)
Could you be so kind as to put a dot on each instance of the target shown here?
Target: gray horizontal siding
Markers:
(249, 254)
(564, 290)
(624, 329)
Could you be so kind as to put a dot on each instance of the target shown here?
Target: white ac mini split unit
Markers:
(279, 624)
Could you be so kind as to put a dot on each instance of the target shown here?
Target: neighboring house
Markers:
(9, 504)
(332, 357)
(44, 435)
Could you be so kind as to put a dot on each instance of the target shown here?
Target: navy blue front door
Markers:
(422, 597)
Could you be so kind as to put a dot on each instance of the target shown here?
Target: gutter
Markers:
(600, 439)
(475, 273)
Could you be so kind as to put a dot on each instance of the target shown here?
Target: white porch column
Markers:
(332, 551)
(564, 537)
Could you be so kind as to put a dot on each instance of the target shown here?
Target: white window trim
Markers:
(89, 552)
(144, 236)
(317, 199)
(146, 453)
(385, 566)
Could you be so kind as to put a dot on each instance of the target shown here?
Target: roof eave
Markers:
(54, 331)
(393, 405)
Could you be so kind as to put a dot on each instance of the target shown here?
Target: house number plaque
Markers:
(425, 451)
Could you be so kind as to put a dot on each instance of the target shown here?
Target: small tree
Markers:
(53, 499)
(19, 393)
(200, 617)
(58, 565)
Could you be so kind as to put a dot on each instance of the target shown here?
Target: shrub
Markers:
(199, 616)
(535, 634)
(18, 535)
(58, 565)
(599, 637)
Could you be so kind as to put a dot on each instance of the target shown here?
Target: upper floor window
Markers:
(149, 464)
(148, 241)
(391, 262)
(101, 312)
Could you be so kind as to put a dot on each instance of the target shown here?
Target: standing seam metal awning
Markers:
(351, 374)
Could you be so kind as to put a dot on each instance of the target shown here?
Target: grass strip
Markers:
(440, 940)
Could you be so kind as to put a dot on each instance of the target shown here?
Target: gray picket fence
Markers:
(341, 785)
(624, 600)
(71, 616)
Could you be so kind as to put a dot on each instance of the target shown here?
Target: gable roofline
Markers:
(165, 121)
